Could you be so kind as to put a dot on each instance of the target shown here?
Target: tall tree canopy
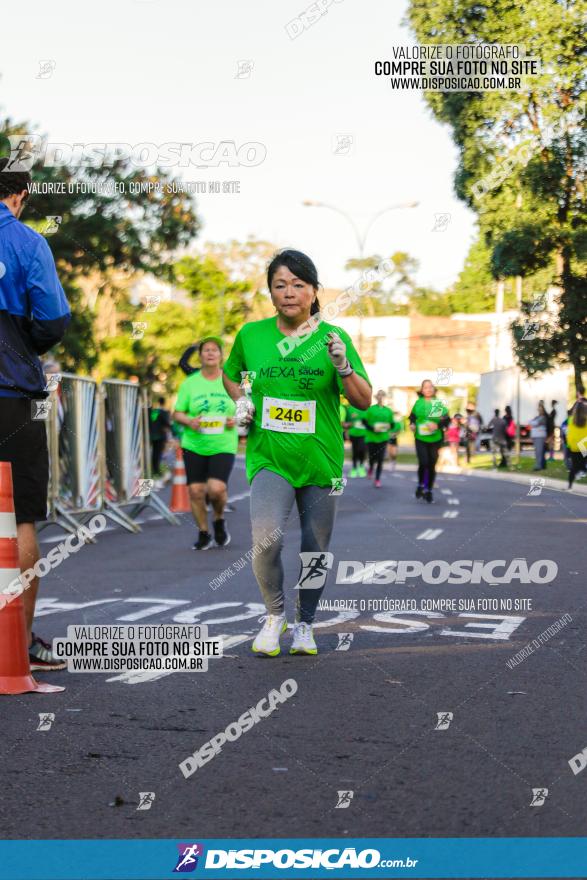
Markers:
(523, 156)
(101, 230)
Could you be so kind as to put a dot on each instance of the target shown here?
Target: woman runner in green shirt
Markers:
(209, 441)
(428, 419)
(379, 421)
(293, 371)
(354, 422)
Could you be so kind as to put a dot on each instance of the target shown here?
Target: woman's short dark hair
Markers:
(300, 265)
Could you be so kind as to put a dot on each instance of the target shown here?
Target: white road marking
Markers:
(479, 626)
(54, 606)
(341, 617)
(450, 514)
(164, 605)
(453, 501)
(405, 626)
(429, 534)
(446, 491)
(500, 631)
(193, 615)
(239, 497)
(142, 676)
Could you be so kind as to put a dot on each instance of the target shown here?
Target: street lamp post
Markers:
(361, 237)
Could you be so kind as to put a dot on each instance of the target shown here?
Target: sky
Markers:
(155, 71)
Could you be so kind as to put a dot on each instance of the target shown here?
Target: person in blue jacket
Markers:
(33, 317)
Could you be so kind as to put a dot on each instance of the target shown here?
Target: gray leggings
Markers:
(272, 499)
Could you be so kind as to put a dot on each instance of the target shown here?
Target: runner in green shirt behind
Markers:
(379, 420)
(398, 425)
(209, 441)
(428, 419)
(354, 422)
(287, 374)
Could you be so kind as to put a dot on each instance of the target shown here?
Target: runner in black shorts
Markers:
(209, 441)
(201, 468)
(33, 316)
(23, 442)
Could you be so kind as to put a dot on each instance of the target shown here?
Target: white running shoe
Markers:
(267, 640)
(303, 640)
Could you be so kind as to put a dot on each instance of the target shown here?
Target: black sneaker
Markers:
(221, 536)
(428, 496)
(41, 656)
(419, 492)
(204, 541)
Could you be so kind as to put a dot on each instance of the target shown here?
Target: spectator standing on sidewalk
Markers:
(538, 428)
(510, 427)
(472, 430)
(550, 429)
(499, 440)
(33, 317)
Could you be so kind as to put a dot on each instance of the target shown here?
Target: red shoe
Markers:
(378, 484)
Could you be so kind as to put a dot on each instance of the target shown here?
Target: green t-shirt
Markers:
(379, 421)
(198, 396)
(357, 419)
(303, 443)
(427, 414)
(397, 426)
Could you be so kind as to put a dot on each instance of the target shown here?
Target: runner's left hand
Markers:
(337, 351)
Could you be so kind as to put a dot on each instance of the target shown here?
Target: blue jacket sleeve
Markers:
(49, 310)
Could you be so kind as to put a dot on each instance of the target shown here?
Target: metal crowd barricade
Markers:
(99, 462)
(126, 460)
(75, 490)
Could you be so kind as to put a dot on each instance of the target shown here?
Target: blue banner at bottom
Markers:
(304, 858)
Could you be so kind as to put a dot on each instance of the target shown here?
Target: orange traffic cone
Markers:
(15, 670)
(180, 500)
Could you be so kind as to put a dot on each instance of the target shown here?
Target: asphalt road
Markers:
(363, 719)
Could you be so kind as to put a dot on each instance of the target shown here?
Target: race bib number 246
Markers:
(289, 416)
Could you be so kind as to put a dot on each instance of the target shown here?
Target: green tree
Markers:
(101, 230)
(389, 296)
(425, 301)
(153, 355)
(522, 156)
(246, 261)
(220, 305)
(474, 290)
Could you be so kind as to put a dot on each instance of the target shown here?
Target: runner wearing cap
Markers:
(209, 441)
(428, 419)
(379, 420)
(294, 370)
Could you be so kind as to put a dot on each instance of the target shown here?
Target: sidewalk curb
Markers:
(521, 479)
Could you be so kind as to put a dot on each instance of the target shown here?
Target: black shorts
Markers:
(392, 441)
(23, 442)
(201, 468)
